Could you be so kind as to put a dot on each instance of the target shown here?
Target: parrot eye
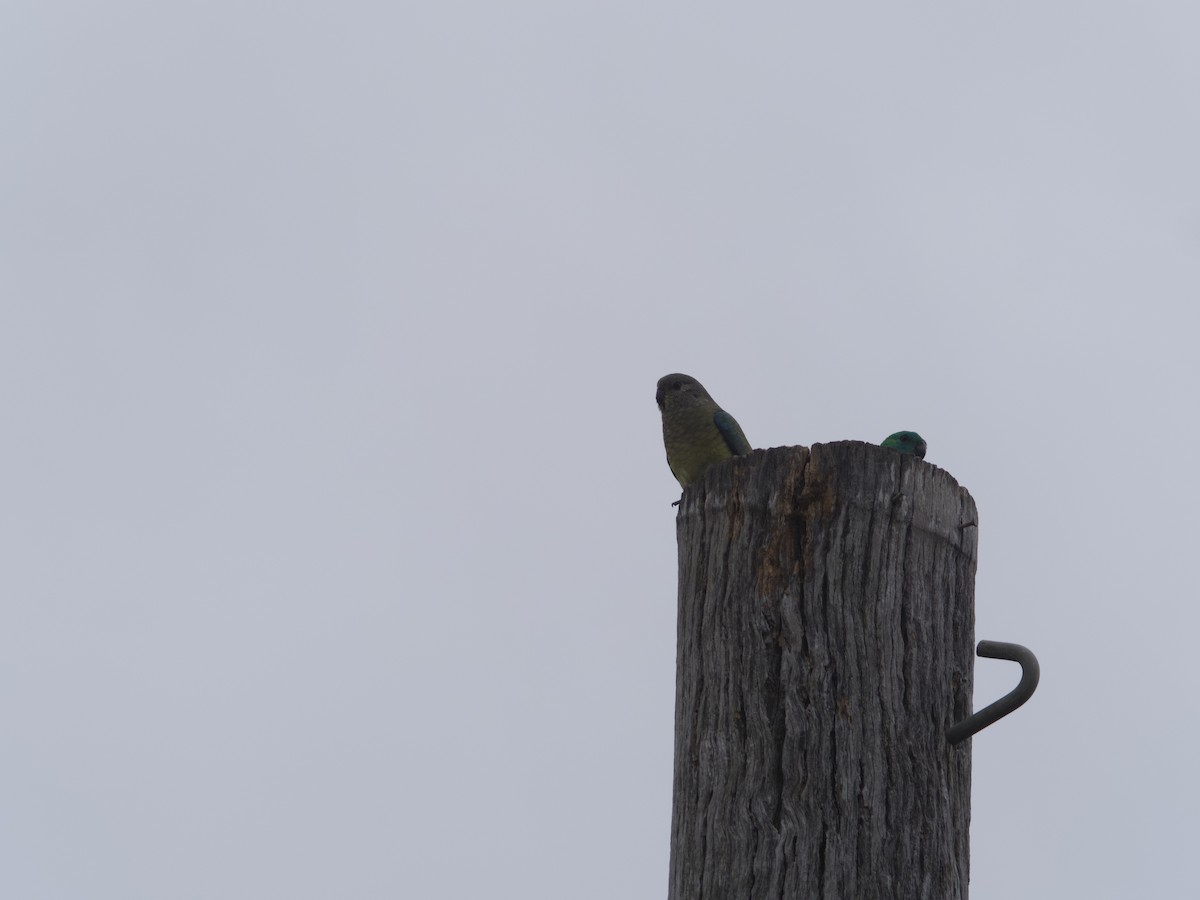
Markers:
(676, 385)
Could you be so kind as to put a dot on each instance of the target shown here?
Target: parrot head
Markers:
(676, 391)
(907, 442)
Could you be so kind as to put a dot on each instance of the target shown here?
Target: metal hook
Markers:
(1030, 672)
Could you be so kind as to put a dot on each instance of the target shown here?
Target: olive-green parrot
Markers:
(696, 432)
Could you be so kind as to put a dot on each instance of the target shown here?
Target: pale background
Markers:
(338, 554)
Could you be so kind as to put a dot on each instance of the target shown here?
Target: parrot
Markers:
(696, 432)
(906, 442)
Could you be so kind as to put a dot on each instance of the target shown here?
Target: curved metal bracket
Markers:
(1030, 672)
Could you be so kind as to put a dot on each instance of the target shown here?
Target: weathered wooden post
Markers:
(826, 641)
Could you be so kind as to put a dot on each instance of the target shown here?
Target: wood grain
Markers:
(825, 645)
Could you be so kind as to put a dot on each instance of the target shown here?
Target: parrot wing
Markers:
(731, 431)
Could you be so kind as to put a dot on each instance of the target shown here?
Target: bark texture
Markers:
(826, 644)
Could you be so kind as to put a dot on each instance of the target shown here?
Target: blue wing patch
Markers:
(731, 431)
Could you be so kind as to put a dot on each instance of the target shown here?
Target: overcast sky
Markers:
(339, 558)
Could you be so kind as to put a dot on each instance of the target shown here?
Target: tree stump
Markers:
(825, 646)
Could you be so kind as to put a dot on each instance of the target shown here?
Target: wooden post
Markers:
(826, 644)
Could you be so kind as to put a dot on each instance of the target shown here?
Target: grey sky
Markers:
(339, 554)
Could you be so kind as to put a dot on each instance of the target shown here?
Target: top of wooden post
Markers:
(864, 475)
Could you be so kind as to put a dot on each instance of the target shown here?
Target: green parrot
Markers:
(696, 432)
(906, 442)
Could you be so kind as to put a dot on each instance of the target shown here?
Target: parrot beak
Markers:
(658, 397)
